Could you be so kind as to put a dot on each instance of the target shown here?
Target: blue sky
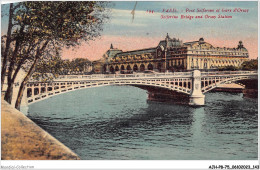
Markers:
(241, 23)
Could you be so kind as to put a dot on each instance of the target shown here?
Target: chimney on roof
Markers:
(167, 36)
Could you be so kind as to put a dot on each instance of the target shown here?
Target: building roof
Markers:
(140, 51)
(171, 42)
(112, 52)
(190, 43)
(201, 41)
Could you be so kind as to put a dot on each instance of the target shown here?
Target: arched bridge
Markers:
(194, 83)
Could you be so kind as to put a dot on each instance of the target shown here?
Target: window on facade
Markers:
(205, 64)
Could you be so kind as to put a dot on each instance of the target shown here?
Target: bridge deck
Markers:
(179, 81)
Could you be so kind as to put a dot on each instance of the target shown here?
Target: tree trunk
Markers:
(8, 42)
(23, 84)
(25, 80)
(9, 91)
(10, 80)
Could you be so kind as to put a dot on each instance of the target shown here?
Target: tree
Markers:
(43, 27)
(78, 64)
(6, 40)
(228, 68)
(250, 65)
(51, 65)
(57, 66)
(13, 50)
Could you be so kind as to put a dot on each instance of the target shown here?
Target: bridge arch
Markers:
(210, 85)
(177, 87)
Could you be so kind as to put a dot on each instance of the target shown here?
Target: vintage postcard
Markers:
(129, 80)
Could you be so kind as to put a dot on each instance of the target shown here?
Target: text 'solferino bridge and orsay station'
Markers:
(172, 54)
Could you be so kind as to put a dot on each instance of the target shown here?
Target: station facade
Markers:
(172, 54)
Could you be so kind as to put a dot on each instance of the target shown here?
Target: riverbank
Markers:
(22, 139)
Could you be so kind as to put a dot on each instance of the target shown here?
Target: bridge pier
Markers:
(197, 98)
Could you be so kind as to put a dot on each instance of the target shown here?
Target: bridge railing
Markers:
(150, 75)
(139, 75)
(227, 73)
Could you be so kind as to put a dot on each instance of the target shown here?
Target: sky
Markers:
(147, 29)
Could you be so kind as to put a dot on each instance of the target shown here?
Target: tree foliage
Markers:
(250, 65)
(246, 65)
(37, 30)
(228, 68)
(56, 66)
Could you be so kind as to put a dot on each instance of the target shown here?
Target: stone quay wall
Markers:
(22, 139)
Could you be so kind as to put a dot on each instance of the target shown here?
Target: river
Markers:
(117, 122)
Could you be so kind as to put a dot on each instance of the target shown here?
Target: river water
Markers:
(117, 122)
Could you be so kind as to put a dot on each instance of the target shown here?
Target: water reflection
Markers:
(197, 126)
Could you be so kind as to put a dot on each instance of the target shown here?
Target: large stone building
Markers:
(173, 55)
(101, 65)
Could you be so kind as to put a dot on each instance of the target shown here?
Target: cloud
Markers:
(124, 18)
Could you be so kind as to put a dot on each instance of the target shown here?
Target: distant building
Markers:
(101, 65)
(173, 55)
